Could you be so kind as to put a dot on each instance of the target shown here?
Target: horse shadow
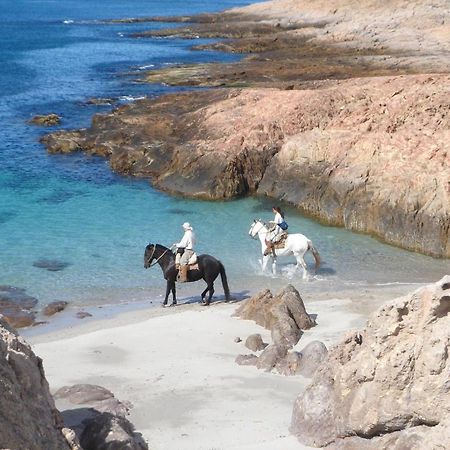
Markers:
(235, 297)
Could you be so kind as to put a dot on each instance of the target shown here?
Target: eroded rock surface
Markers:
(284, 314)
(369, 154)
(386, 386)
(17, 307)
(99, 418)
(28, 417)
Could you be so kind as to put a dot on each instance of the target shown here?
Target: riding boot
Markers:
(182, 273)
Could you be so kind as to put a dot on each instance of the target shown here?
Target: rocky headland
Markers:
(340, 108)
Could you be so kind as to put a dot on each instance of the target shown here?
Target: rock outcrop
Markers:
(284, 315)
(369, 154)
(99, 418)
(28, 417)
(46, 120)
(17, 307)
(386, 386)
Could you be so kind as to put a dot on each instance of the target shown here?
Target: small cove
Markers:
(93, 225)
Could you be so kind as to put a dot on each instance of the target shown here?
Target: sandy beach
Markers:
(176, 366)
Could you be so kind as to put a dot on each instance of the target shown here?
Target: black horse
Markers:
(208, 269)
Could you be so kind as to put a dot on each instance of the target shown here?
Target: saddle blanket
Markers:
(193, 266)
(281, 242)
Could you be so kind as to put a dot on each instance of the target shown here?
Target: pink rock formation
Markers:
(388, 385)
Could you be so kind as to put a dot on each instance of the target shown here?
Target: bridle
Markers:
(159, 257)
(253, 236)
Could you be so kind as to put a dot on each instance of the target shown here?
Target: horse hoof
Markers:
(204, 303)
(173, 304)
(163, 305)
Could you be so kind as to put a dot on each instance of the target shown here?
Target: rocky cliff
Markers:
(28, 417)
(369, 154)
(386, 386)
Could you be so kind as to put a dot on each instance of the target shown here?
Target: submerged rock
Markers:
(16, 306)
(51, 265)
(388, 385)
(46, 120)
(54, 307)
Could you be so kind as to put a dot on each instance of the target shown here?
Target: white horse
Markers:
(296, 244)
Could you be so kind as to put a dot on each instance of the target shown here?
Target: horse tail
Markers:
(315, 254)
(223, 275)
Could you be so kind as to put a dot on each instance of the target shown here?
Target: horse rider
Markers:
(185, 250)
(277, 230)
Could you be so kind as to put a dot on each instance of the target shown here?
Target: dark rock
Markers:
(83, 314)
(54, 307)
(100, 101)
(47, 120)
(255, 343)
(16, 306)
(237, 339)
(246, 360)
(28, 417)
(109, 432)
(52, 265)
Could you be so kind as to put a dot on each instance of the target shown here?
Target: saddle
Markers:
(272, 246)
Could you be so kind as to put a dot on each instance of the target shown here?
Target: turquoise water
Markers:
(74, 210)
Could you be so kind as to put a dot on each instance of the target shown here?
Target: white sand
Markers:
(176, 366)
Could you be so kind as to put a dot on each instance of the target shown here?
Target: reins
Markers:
(157, 259)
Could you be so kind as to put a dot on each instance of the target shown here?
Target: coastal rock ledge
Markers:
(370, 154)
(388, 385)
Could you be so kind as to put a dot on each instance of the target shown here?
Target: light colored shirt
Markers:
(187, 241)
(278, 219)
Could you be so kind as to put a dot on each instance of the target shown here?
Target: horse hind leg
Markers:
(301, 262)
(204, 294)
(210, 288)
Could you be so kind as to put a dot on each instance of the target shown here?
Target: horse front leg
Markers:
(168, 288)
(174, 293)
(265, 260)
(274, 266)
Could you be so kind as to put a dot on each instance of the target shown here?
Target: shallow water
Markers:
(73, 211)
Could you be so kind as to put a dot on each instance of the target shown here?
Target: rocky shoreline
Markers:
(344, 123)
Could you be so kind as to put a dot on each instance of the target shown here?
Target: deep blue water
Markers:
(54, 55)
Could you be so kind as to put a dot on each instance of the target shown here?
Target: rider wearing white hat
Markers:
(185, 250)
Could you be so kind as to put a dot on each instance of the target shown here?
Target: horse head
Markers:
(148, 255)
(256, 227)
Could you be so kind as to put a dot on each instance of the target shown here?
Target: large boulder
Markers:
(386, 386)
(284, 314)
(28, 417)
(99, 418)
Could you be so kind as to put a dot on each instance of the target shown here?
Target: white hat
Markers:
(187, 226)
